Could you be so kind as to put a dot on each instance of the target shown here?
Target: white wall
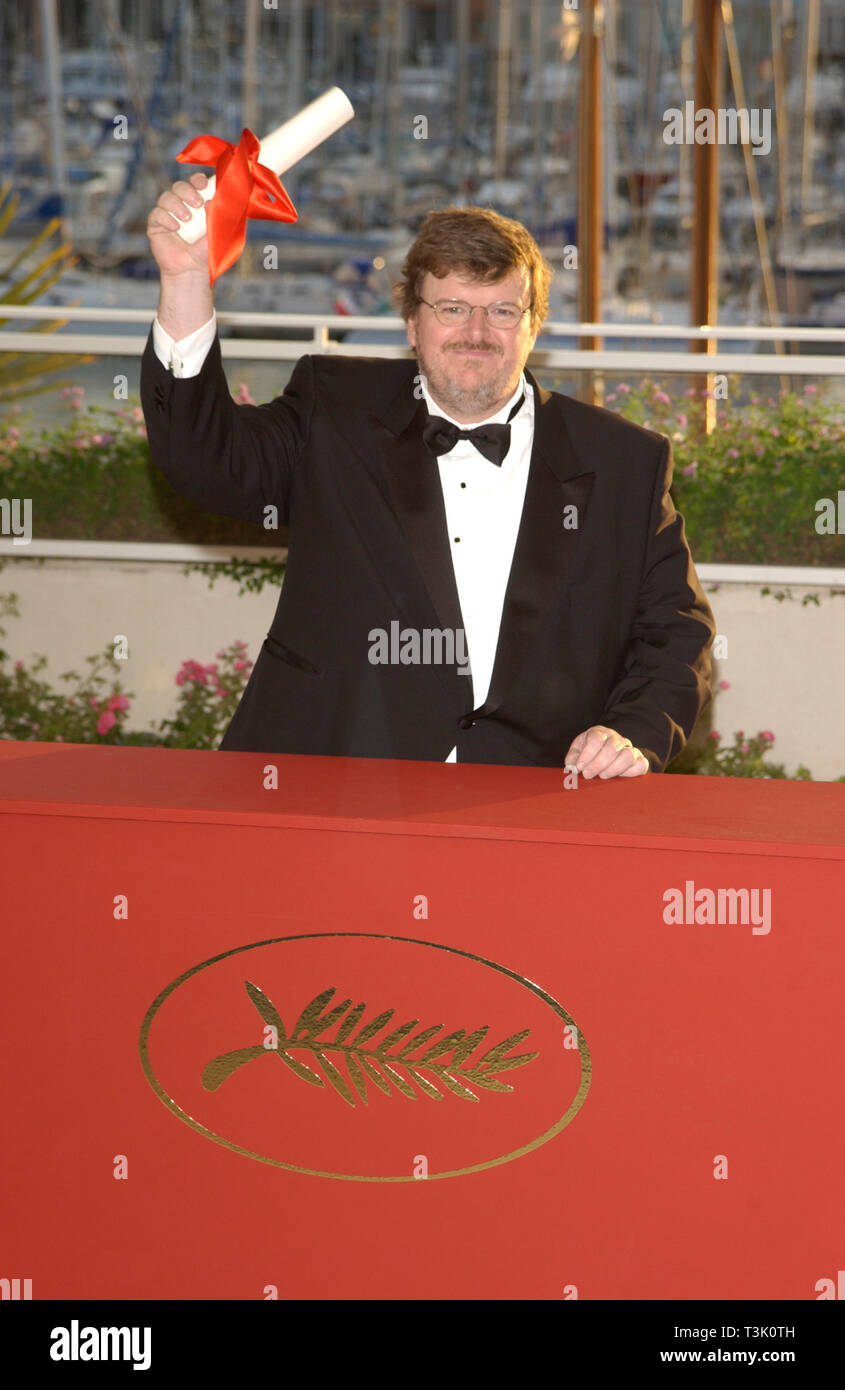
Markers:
(785, 662)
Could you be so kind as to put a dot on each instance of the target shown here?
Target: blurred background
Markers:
(457, 101)
(699, 286)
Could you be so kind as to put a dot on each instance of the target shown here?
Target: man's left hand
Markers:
(602, 752)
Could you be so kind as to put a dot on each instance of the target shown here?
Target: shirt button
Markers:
(466, 722)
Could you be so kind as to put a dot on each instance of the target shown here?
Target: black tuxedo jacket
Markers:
(603, 624)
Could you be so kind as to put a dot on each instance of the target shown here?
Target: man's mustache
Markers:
(472, 347)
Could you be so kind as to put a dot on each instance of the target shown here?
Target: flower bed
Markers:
(749, 491)
(92, 479)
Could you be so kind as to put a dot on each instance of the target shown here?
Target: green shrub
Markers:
(748, 491)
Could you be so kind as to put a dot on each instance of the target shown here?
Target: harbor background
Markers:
(470, 102)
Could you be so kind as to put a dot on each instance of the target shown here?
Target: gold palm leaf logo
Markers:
(395, 1063)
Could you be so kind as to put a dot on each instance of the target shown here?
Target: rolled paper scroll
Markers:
(284, 147)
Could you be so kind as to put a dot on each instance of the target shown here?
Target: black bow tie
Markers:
(493, 441)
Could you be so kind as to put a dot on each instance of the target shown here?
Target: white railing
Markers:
(170, 552)
(321, 326)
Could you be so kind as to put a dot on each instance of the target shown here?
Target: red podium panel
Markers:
(408, 1030)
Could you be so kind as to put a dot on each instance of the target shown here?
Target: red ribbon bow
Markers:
(244, 189)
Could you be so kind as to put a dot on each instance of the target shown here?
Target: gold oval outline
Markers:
(571, 1112)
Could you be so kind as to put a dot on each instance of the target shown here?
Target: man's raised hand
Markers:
(173, 255)
(186, 300)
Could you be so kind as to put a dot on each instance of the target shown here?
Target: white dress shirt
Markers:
(186, 357)
(483, 504)
(483, 510)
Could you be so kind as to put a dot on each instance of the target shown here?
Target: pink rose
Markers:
(105, 721)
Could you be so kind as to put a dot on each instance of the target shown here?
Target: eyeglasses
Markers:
(452, 313)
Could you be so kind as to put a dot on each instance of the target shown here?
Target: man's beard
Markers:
(472, 401)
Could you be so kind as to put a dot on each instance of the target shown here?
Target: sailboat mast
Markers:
(503, 68)
(705, 176)
(590, 183)
(537, 109)
(461, 56)
(811, 48)
(784, 221)
(53, 76)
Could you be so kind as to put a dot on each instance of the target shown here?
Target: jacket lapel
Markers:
(413, 479)
(544, 550)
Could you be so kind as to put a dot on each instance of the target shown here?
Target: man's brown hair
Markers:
(479, 244)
